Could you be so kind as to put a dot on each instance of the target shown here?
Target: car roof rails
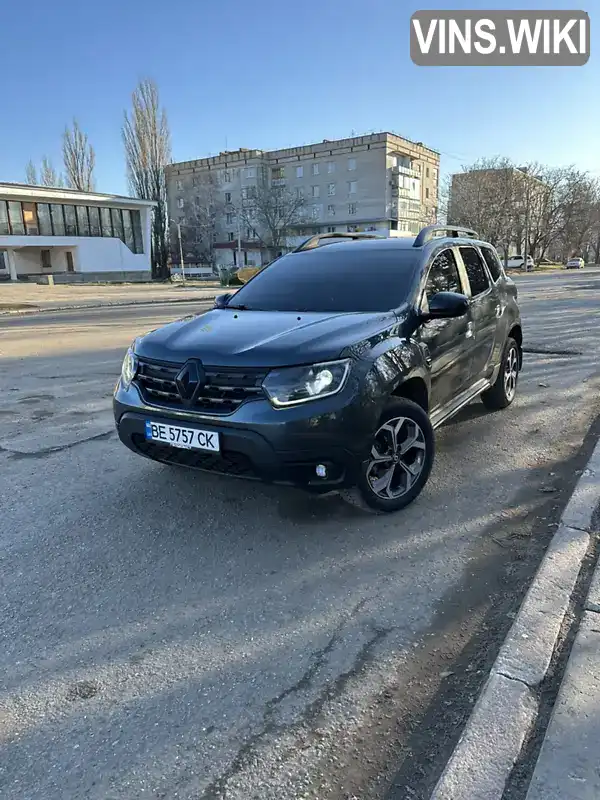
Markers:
(315, 241)
(431, 231)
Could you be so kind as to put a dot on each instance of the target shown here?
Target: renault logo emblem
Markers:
(190, 380)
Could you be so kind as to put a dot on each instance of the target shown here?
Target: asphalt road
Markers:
(166, 634)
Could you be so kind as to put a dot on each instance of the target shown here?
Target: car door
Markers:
(445, 342)
(485, 309)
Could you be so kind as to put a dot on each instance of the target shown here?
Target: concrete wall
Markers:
(90, 254)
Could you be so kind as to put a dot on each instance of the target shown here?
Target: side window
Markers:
(443, 275)
(475, 270)
(493, 264)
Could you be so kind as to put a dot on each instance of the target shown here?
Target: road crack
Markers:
(248, 753)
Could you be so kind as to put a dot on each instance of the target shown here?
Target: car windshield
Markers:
(331, 279)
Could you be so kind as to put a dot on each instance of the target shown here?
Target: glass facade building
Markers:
(19, 218)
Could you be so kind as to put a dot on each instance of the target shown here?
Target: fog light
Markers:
(321, 470)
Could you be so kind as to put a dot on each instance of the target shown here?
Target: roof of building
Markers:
(242, 153)
(63, 192)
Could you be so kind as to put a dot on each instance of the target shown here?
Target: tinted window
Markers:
(493, 264)
(475, 270)
(333, 278)
(4, 229)
(443, 275)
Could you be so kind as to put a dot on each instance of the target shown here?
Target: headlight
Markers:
(293, 385)
(129, 368)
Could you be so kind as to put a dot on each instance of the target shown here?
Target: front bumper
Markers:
(260, 442)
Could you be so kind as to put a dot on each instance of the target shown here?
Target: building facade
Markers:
(72, 236)
(380, 182)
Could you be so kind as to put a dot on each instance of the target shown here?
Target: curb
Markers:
(78, 307)
(506, 710)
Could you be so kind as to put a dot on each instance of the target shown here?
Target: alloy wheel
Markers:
(397, 458)
(511, 372)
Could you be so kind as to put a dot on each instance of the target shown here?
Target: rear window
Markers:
(333, 278)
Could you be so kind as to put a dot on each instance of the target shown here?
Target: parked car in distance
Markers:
(517, 262)
(331, 368)
(575, 263)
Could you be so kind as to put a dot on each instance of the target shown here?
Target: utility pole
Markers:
(526, 247)
(239, 242)
(181, 253)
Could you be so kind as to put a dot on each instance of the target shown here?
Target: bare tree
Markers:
(199, 232)
(272, 212)
(79, 159)
(48, 175)
(31, 174)
(147, 144)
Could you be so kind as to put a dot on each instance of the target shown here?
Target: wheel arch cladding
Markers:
(414, 389)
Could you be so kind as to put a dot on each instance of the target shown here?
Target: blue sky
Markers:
(272, 74)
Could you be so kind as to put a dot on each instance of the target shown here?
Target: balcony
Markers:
(397, 191)
(411, 173)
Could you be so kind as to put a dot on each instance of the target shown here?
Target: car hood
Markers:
(225, 338)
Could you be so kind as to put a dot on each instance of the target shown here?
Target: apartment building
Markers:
(380, 182)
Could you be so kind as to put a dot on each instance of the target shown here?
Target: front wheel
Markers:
(503, 392)
(401, 457)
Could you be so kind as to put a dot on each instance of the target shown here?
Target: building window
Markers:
(427, 192)
(58, 219)
(45, 259)
(352, 187)
(331, 229)
(70, 264)
(426, 172)
(106, 222)
(394, 225)
(330, 167)
(128, 229)
(277, 173)
(230, 218)
(228, 197)
(352, 228)
(435, 174)
(117, 223)
(137, 231)
(331, 210)
(299, 192)
(179, 185)
(4, 227)
(351, 163)
(250, 172)
(299, 172)
(316, 211)
(231, 236)
(30, 219)
(331, 189)
(83, 223)
(94, 213)
(226, 176)
(180, 202)
(316, 191)
(15, 218)
(351, 209)
(315, 169)
(70, 220)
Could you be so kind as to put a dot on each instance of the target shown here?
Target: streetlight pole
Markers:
(181, 253)
(526, 247)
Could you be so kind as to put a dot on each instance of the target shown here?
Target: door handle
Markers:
(469, 333)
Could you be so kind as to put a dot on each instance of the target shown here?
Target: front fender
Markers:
(395, 365)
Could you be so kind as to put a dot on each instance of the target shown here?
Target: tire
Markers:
(406, 472)
(503, 392)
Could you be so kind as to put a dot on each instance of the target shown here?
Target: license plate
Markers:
(177, 436)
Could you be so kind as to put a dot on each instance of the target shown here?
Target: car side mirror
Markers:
(221, 300)
(445, 305)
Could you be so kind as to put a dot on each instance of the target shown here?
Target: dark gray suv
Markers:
(331, 368)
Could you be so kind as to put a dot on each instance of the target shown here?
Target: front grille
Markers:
(226, 462)
(225, 390)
